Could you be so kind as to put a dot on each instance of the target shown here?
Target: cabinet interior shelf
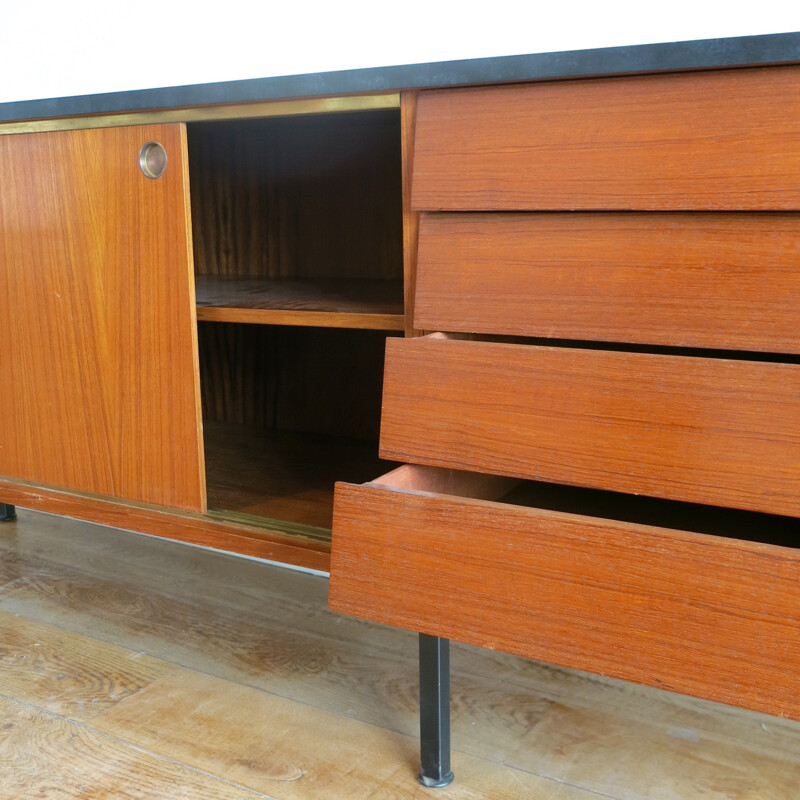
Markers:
(327, 303)
(280, 475)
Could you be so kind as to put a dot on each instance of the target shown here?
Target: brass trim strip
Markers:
(294, 529)
(276, 108)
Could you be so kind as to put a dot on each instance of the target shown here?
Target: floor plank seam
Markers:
(560, 782)
(140, 749)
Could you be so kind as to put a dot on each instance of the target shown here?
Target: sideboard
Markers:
(554, 298)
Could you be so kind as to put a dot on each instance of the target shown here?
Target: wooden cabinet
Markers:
(599, 416)
(200, 355)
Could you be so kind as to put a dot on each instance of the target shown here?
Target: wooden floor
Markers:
(135, 668)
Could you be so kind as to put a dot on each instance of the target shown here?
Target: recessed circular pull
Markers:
(153, 159)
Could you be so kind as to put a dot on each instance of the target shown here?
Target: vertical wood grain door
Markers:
(99, 390)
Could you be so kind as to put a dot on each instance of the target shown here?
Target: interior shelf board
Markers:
(329, 303)
(280, 475)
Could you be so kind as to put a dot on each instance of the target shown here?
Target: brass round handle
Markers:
(153, 159)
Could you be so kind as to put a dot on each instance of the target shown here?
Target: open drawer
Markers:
(459, 555)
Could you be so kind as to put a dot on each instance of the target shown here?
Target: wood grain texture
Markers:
(100, 389)
(713, 431)
(183, 526)
(331, 303)
(725, 281)
(705, 140)
(45, 756)
(316, 196)
(294, 752)
(712, 617)
(66, 674)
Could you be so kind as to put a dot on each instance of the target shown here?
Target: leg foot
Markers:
(7, 513)
(434, 711)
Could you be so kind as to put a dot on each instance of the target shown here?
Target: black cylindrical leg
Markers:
(434, 711)
(7, 513)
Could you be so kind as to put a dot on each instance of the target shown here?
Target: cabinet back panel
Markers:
(727, 281)
(713, 431)
(705, 140)
(298, 197)
(98, 341)
(311, 380)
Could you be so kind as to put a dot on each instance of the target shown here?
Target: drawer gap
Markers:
(730, 523)
(673, 514)
(623, 347)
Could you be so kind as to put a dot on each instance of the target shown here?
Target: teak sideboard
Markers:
(555, 299)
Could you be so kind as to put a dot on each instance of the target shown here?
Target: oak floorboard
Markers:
(46, 756)
(68, 674)
(240, 623)
(293, 752)
(347, 678)
(636, 760)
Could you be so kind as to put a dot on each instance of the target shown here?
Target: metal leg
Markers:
(7, 513)
(434, 711)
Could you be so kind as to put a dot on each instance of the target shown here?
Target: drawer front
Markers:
(727, 281)
(713, 431)
(706, 140)
(712, 617)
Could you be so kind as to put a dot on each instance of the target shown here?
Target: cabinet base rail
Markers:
(434, 711)
(7, 513)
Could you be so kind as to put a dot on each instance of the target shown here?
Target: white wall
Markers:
(52, 49)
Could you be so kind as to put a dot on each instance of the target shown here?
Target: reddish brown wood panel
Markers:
(712, 617)
(408, 118)
(306, 196)
(728, 281)
(704, 140)
(324, 303)
(182, 526)
(714, 431)
(98, 338)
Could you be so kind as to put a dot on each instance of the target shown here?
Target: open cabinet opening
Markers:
(297, 232)
(298, 220)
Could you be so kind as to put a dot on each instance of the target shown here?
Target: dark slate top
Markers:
(778, 48)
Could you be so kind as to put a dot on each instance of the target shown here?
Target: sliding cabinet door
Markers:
(99, 390)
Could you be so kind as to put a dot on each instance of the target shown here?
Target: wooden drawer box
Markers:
(718, 431)
(705, 615)
(723, 280)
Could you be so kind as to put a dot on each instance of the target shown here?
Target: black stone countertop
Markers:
(778, 48)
